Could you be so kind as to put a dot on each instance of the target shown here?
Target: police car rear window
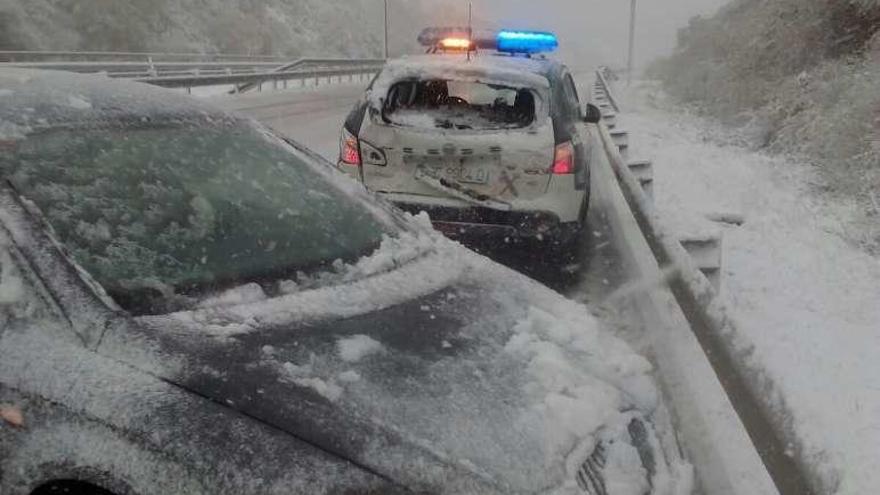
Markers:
(459, 105)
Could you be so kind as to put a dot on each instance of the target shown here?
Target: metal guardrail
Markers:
(602, 79)
(174, 72)
(246, 82)
(95, 56)
(756, 405)
(348, 66)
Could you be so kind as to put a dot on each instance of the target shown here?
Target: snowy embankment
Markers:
(802, 295)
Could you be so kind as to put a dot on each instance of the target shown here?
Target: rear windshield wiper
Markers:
(459, 191)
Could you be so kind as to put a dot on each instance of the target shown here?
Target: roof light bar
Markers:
(481, 39)
(432, 36)
(526, 42)
(456, 44)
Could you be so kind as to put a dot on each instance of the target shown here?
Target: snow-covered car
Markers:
(189, 304)
(487, 143)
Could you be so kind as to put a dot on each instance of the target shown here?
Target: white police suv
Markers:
(487, 142)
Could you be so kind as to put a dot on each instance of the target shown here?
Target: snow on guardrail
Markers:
(175, 71)
(723, 427)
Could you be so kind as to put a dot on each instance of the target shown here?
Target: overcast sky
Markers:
(595, 31)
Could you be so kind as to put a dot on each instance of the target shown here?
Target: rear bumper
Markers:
(475, 221)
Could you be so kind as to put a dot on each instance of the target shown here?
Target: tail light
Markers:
(563, 160)
(349, 149)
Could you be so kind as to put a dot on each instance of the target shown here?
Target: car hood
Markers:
(478, 381)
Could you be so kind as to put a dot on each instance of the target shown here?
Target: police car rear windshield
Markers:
(459, 105)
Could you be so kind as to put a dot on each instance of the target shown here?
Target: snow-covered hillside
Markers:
(271, 27)
(803, 299)
(801, 76)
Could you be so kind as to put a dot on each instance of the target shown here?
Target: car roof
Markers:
(536, 64)
(535, 70)
(33, 99)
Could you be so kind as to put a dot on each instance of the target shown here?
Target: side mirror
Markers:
(593, 115)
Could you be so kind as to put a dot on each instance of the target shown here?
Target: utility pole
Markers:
(386, 29)
(632, 43)
(470, 29)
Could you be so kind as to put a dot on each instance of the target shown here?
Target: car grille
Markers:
(591, 478)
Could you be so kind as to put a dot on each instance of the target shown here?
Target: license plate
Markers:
(474, 175)
(464, 175)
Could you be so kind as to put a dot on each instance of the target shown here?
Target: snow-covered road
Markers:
(804, 297)
(312, 115)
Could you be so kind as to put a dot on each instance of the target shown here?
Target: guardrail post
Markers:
(610, 119)
(644, 172)
(621, 140)
(706, 251)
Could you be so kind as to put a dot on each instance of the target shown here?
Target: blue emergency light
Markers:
(526, 42)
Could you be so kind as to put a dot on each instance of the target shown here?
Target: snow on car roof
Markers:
(37, 99)
(520, 70)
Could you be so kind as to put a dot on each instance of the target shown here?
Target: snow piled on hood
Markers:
(411, 259)
(571, 388)
(12, 132)
(11, 288)
(564, 382)
(240, 295)
(78, 102)
(16, 302)
(353, 349)
(528, 390)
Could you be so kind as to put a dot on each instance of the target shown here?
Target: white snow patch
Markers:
(801, 293)
(295, 371)
(488, 70)
(413, 118)
(328, 389)
(354, 349)
(11, 286)
(349, 376)
(371, 284)
(11, 132)
(244, 294)
(78, 102)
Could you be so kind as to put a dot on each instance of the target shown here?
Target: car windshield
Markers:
(464, 105)
(187, 209)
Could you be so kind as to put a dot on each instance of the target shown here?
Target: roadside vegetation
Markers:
(800, 77)
(266, 27)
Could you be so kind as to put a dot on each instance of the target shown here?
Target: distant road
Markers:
(310, 116)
